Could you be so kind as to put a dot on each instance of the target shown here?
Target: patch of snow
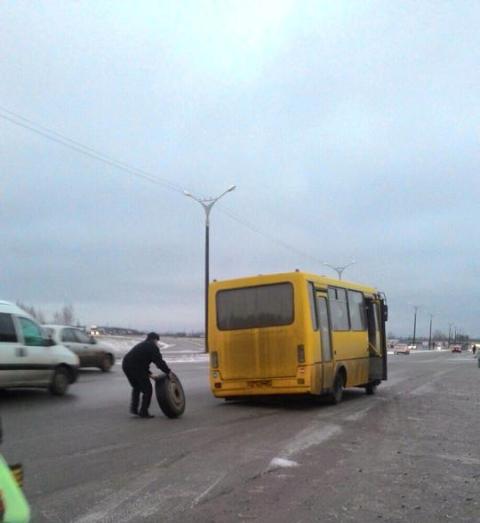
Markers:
(281, 463)
(313, 435)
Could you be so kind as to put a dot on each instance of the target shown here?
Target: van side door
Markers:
(38, 359)
(11, 352)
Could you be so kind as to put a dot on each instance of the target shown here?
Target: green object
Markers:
(15, 506)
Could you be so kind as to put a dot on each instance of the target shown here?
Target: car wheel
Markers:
(337, 391)
(60, 381)
(107, 363)
(371, 389)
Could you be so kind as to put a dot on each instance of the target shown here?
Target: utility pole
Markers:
(207, 204)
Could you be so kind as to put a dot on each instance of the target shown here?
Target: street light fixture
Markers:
(339, 268)
(207, 204)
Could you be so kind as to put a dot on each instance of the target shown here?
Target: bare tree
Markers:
(68, 315)
(439, 335)
(65, 316)
(30, 309)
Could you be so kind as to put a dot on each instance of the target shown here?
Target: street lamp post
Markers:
(430, 335)
(207, 204)
(414, 324)
(339, 268)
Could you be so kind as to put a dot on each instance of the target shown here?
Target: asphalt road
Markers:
(410, 453)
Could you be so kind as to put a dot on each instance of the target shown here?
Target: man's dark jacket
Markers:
(138, 359)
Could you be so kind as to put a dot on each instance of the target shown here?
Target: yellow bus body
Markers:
(288, 358)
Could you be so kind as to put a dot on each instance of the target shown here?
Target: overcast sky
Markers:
(351, 130)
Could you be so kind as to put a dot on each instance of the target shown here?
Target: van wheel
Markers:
(60, 382)
(106, 364)
(371, 389)
(337, 391)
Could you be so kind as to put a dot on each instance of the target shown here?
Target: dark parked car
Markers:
(89, 350)
(456, 348)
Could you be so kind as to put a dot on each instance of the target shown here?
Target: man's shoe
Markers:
(146, 415)
(134, 412)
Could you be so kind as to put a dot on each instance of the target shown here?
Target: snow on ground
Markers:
(187, 350)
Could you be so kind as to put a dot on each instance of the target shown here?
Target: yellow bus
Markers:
(295, 333)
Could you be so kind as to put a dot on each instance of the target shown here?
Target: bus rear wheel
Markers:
(337, 390)
(371, 388)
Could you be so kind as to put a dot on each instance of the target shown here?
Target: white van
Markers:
(30, 359)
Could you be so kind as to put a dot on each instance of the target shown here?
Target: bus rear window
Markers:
(253, 307)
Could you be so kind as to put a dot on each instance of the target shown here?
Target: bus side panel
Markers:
(351, 350)
(357, 371)
(316, 378)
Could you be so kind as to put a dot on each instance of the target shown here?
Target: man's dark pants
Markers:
(140, 383)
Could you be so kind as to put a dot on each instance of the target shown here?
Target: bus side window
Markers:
(337, 298)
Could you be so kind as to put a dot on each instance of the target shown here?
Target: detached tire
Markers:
(170, 396)
(60, 382)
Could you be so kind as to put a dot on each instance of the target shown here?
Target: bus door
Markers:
(376, 339)
(326, 341)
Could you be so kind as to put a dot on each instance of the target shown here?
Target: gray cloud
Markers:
(350, 129)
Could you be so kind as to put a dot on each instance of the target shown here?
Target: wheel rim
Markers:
(175, 394)
(61, 381)
(339, 388)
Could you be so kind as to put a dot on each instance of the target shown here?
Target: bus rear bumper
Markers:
(259, 387)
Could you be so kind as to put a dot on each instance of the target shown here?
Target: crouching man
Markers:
(136, 366)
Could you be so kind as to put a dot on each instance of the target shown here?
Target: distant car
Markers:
(401, 348)
(456, 348)
(90, 352)
(28, 358)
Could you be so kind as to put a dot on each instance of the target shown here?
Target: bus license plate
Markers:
(260, 383)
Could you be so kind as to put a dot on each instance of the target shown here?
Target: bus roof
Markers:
(322, 280)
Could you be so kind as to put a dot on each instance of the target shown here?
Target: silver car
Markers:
(90, 352)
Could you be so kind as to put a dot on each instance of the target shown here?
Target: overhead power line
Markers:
(74, 145)
(273, 239)
(57, 137)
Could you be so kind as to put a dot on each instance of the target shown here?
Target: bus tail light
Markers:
(300, 353)
(214, 359)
